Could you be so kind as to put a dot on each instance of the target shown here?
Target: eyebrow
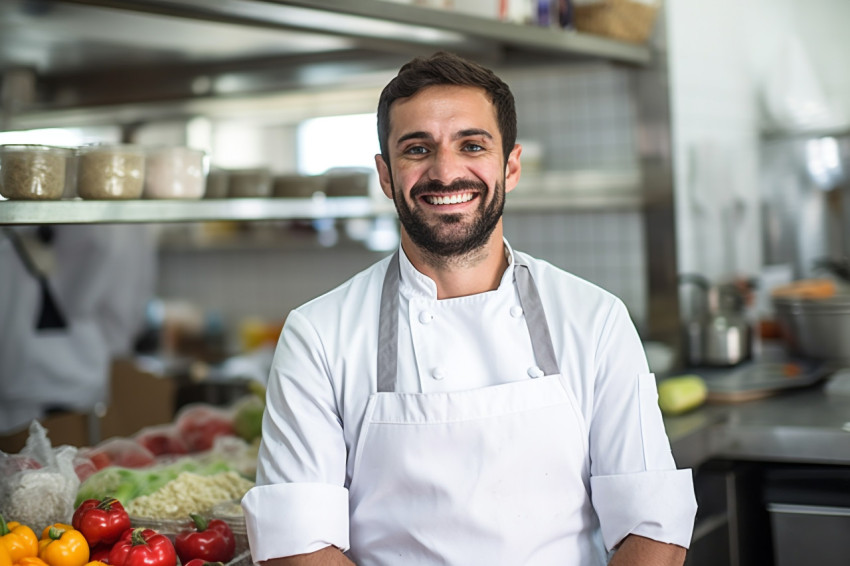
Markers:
(461, 134)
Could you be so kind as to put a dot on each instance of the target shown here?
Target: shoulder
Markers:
(558, 285)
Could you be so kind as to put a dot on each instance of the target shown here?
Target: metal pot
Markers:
(717, 333)
(816, 328)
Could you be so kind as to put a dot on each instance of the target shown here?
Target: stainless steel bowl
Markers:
(816, 328)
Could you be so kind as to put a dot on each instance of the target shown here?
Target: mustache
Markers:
(436, 187)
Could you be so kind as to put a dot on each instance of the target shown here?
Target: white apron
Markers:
(493, 476)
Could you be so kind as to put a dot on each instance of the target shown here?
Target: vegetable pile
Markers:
(147, 500)
(101, 533)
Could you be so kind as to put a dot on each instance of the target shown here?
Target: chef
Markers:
(461, 402)
(72, 298)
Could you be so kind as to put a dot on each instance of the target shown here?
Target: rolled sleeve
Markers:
(296, 518)
(656, 504)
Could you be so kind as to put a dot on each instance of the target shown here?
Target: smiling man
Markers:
(461, 402)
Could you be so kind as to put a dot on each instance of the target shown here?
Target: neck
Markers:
(478, 271)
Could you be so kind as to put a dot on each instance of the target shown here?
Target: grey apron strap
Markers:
(388, 329)
(529, 298)
(535, 319)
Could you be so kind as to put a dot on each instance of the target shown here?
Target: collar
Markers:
(413, 282)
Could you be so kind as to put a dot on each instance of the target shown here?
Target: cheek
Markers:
(406, 176)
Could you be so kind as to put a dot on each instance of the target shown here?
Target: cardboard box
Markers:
(138, 399)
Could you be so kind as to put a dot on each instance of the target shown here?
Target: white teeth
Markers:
(453, 199)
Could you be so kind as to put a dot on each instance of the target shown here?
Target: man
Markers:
(72, 298)
(461, 402)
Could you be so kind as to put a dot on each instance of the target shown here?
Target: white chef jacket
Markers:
(102, 278)
(324, 371)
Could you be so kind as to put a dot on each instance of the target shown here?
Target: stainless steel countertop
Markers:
(804, 426)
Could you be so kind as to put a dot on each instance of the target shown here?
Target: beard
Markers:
(448, 236)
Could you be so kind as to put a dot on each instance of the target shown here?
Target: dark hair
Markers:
(444, 68)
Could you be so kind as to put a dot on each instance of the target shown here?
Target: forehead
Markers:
(443, 106)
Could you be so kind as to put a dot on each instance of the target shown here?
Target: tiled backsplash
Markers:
(582, 116)
(603, 247)
(606, 248)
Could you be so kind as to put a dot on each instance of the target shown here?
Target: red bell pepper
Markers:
(143, 547)
(102, 521)
(100, 553)
(212, 541)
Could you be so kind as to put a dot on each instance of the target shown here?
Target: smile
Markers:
(450, 199)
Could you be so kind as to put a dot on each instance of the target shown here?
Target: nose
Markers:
(446, 167)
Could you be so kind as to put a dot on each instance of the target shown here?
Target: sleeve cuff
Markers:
(295, 518)
(660, 505)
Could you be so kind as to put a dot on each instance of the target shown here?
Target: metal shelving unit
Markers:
(372, 30)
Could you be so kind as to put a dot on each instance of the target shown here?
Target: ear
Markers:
(384, 176)
(513, 168)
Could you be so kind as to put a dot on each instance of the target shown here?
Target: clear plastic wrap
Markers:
(39, 484)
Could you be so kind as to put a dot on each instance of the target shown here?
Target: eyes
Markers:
(420, 149)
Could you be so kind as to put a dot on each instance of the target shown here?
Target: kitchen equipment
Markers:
(815, 327)
(805, 194)
(110, 171)
(298, 186)
(717, 332)
(809, 509)
(217, 180)
(757, 380)
(175, 172)
(33, 172)
(247, 183)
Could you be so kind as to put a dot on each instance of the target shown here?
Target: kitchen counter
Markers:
(805, 425)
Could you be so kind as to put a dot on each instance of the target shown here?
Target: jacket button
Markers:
(534, 372)
(438, 374)
(425, 317)
(516, 311)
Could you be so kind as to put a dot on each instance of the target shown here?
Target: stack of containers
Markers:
(33, 172)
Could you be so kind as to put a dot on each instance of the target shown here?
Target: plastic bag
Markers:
(39, 484)
(199, 424)
(119, 451)
(162, 440)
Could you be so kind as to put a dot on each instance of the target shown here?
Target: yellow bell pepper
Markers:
(31, 561)
(5, 559)
(62, 545)
(18, 539)
(96, 563)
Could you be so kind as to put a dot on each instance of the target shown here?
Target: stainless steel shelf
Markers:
(255, 209)
(142, 211)
(505, 34)
(379, 22)
(577, 190)
(573, 202)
